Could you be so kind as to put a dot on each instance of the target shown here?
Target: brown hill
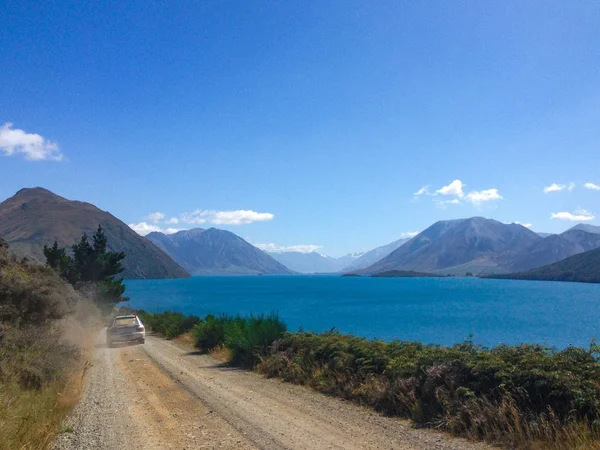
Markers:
(35, 217)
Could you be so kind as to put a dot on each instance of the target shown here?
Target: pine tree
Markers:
(91, 263)
(57, 258)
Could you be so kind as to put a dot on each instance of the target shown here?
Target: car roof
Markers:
(126, 316)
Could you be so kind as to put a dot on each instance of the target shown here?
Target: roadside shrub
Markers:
(169, 324)
(513, 394)
(210, 333)
(32, 294)
(248, 338)
(33, 355)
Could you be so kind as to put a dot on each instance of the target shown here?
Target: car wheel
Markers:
(142, 341)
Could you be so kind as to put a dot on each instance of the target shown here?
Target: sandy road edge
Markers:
(274, 414)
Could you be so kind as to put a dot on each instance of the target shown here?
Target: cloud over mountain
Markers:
(580, 216)
(454, 194)
(144, 228)
(237, 217)
(478, 197)
(455, 188)
(301, 248)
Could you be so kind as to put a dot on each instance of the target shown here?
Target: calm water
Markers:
(432, 310)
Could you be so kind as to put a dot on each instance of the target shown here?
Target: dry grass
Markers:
(221, 354)
(31, 414)
(504, 425)
(185, 340)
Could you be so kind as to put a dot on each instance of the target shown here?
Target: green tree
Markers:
(91, 263)
(58, 259)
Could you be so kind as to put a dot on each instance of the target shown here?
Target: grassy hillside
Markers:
(45, 327)
(583, 267)
(37, 217)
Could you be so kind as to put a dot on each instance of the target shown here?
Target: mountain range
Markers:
(480, 246)
(215, 251)
(311, 262)
(314, 262)
(372, 256)
(36, 217)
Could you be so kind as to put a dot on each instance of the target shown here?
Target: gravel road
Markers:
(160, 395)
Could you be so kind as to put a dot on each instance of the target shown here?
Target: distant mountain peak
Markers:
(35, 190)
(587, 227)
(216, 251)
(472, 244)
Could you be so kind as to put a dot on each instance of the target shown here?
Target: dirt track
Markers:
(161, 396)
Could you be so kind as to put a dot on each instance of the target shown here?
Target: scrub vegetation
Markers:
(247, 339)
(47, 326)
(523, 396)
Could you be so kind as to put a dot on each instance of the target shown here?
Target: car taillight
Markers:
(140, 328)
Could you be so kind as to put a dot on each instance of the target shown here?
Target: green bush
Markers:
(169, 324)
(248, 338)
(210, 333)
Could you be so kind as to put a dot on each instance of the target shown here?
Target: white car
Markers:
(127, 328)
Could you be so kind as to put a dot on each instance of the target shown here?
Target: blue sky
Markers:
(306, 123)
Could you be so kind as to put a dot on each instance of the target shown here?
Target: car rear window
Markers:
(125, 322)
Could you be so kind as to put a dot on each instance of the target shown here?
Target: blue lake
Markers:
(432, 310)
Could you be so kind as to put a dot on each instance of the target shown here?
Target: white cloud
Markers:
(274, 248)
(580, 216)
(32, 146)
(423, 190)
(526, 225)
(192, 219)
(571, 186)
(155, 217)
(238, 217)
(172, 221)
(144, 228)
(478, 197)
(409, 234)
(592, 186)
(555, 188)
(454, 188)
